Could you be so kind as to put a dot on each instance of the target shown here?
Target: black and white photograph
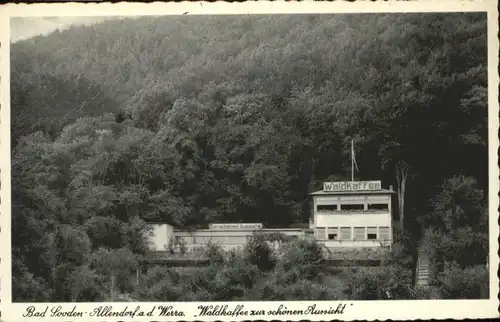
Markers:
(250, 157)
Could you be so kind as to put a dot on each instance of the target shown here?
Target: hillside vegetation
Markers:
(192, 120)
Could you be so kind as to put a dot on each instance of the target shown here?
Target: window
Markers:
(326, 208)
(345, 233)
(378, 206)
(359, 233)
(352, 207)
(333, 233)
(320, 233)
(384, 233)
(371, 233)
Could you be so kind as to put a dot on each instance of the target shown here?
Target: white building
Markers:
(352, 214)
(355, 214)
(228, 236)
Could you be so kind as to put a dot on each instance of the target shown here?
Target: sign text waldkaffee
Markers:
(352, 186)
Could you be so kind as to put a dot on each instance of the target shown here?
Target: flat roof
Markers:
(271, 229)
(360, 192)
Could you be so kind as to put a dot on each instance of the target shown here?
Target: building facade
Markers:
(352, 214)
(228, 235)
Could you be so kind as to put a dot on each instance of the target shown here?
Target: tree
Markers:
(457, 238)
(83, 284)
(461, 214)
(117, 266)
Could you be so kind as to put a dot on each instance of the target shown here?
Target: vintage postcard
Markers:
(249, 161)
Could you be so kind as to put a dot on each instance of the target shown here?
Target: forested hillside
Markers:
(197, 119)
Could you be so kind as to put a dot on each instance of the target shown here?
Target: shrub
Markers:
(379, 283)
(425, 293)
(258, 252)
(468, 283)
(160, 284)
(302, 260)
(215, 253)
(198, 278)
(299, 290)
(304, 290)
(182, 246)
(117, 268)
(234, 280)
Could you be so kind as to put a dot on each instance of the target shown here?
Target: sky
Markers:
(23, 28)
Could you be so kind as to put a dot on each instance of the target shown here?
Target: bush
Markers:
(199, 278)
(117, 267)
(304, 290)
(300, 290)
(425, 293)
(356, 254)
(380, 283)
(302, 260)
(300, 274)
(258, 252)
(234, 280)
(468, 283)
(160, 284)
(215, 254)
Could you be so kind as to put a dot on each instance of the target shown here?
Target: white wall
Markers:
(334, 199)
(354, 243)
(353, 219)
(160, 238)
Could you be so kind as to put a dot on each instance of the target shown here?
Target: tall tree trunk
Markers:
(409, 243)
(401, 176)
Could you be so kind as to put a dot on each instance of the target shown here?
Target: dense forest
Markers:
(191, 120)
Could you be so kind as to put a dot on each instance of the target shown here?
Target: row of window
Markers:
(212, 239)
(221, 240)
(351, 207)
(352, 233)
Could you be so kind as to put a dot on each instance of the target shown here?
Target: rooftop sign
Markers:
(352, 186)
(235, 226)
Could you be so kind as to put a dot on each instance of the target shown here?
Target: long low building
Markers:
(227, 235)
(355, 214)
